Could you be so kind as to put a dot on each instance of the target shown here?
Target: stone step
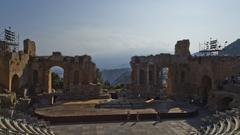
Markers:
(12, 127)
(207, 130)
(39, 131)
(8, 125)
(23, 126)
(229, 127)
(2, 124)
(214, 129)
(32, 130)
(237, 125)
(15, 125)
(45, 131)
(222, 127)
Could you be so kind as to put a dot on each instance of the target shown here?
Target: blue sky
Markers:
(112, 31)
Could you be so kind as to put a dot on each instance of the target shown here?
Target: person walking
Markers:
(128, 115)
(137, 117)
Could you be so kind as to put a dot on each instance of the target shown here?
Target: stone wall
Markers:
(182, 48)
(29, 47)
(188, 76)
(78, 71)
(13, 70)
(25, 70)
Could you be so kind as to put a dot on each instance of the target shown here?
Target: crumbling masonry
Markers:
(205, 78)
(25, 70)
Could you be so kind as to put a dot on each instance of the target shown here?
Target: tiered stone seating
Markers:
(222, 123)
(229, 126)
(12, 127)
(15, 125)
(23, 126)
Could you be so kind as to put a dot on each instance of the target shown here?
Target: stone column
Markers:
(155, 75)
(160, 77)
(49, 81)
(66, 78)
(138, 74)
(147, 74)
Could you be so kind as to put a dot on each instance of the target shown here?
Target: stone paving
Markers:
(170, 127)
(114, 107)
(164, 127)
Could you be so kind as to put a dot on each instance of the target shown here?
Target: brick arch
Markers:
(50, 83)
(46, 66)
(83, 64)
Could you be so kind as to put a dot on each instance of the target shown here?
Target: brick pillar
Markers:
(147, 75)
(138, 74)
(160, 78)
(155, 75)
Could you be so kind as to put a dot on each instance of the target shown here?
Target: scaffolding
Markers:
(211, 47)
(9, 42)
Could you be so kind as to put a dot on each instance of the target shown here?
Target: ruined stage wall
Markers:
(14, 66)
(79, 72)
(188, 76)
(25, 70)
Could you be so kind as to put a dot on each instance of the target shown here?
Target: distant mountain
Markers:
(116, 76)
(232, 49)
(124, 78)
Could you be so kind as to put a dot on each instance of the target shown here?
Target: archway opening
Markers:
(163, 77)
(15, 84)
(223, 104)
(56, 79)
(206, 86)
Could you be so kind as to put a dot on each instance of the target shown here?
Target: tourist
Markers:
(158, 117)
(137, 117)
(128, 115)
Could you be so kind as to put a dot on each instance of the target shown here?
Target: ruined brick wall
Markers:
(15, 68)
(13, 64)
(23, 69)
(188, 76)
(182, 47)
(4, 71)
(79, 73)
(29, 47)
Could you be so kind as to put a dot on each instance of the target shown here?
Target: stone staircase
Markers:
(221, 123)
(20, 127)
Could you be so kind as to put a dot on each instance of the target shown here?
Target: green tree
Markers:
(119, 86)
(57, 81)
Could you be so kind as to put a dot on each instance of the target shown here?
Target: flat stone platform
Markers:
(176, 127)
(113, 110)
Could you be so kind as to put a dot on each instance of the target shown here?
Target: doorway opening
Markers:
(56, 79)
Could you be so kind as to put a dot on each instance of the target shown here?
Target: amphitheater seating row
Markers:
(221, 123)
(12, 127)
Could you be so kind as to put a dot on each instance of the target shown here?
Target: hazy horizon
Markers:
(113, 31)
